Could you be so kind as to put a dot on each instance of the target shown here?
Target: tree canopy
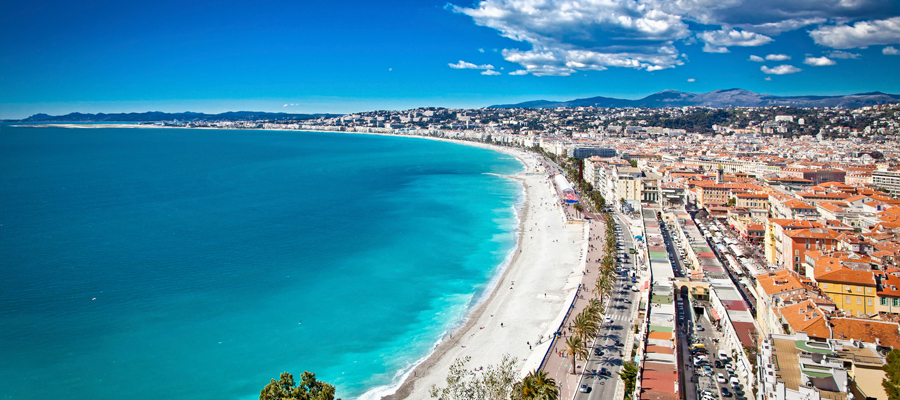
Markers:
(496, 382)
(308, 389)
(891, 382)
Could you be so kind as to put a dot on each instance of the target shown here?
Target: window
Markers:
(796, 252)
(897, 302)
(859, 301)
(847, 299)
(859, 289)
(868, 290)
(869, 302)
(796, 259)
(824, 285)
(884, 301)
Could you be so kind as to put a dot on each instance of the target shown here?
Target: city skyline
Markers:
(352, 56)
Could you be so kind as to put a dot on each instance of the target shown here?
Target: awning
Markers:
(714, 314)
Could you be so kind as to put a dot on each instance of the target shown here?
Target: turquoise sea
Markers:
(200, 264)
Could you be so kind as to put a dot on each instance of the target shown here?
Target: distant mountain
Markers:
(156, 116)
(718, 99)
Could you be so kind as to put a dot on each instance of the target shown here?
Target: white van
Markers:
(723, 355)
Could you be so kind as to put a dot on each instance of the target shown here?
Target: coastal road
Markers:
(620, 313)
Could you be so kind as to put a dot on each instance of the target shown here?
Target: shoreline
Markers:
(471, 339)
(544, 267)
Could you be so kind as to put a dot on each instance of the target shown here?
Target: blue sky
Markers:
(345, 56)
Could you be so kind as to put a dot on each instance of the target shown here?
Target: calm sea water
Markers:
(200, 264)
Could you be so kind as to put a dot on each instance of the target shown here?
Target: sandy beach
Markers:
(530, 298)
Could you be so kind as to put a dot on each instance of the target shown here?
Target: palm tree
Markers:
(537, 386)
(603, 284)
(596, 308)
(585, 324)
(576, 347)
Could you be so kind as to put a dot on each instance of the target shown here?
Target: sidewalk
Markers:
(560, 367)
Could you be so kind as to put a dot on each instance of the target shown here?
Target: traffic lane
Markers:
(603, 386)
(612, 355)
(707, 338)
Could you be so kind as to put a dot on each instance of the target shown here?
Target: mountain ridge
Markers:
(722, 98)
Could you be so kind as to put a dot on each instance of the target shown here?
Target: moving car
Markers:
(604, 371)
(598, 352)
(584, 388)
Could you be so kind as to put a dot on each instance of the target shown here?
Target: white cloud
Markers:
(778, 57)
(691, 80)
(768, 78)
(776, 28)
(519, 72)
(861, 34)
(285, 105)
(818, 61)
(718, 41)
(757, 58)
(490, 72)
(561, 37)
(843, 55)
(891, 51)
(481, 50)
(569, 35)
(467, 65)
(780, 70)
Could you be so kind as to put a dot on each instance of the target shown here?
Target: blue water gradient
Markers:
(199, 264)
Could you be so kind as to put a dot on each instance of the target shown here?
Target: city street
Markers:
(621, 309)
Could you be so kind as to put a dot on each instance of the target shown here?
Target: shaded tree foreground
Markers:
(308, 389)
(496, 382)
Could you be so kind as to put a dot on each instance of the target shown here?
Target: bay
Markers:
(199, 264)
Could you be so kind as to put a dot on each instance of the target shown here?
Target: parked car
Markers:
(718, 364)
(707, 370)
(720, 378)
(725, 392)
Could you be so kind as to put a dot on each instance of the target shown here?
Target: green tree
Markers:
(308, 389)
(633, 163)
(536, 386)
(891, 382)
(629, 377)
(492, 383)
(585, 324)
(576, 347)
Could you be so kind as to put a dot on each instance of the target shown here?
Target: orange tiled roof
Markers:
(849, 276)
(806, 317)
(866, 330)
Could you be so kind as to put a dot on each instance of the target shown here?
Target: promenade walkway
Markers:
(559, 367)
